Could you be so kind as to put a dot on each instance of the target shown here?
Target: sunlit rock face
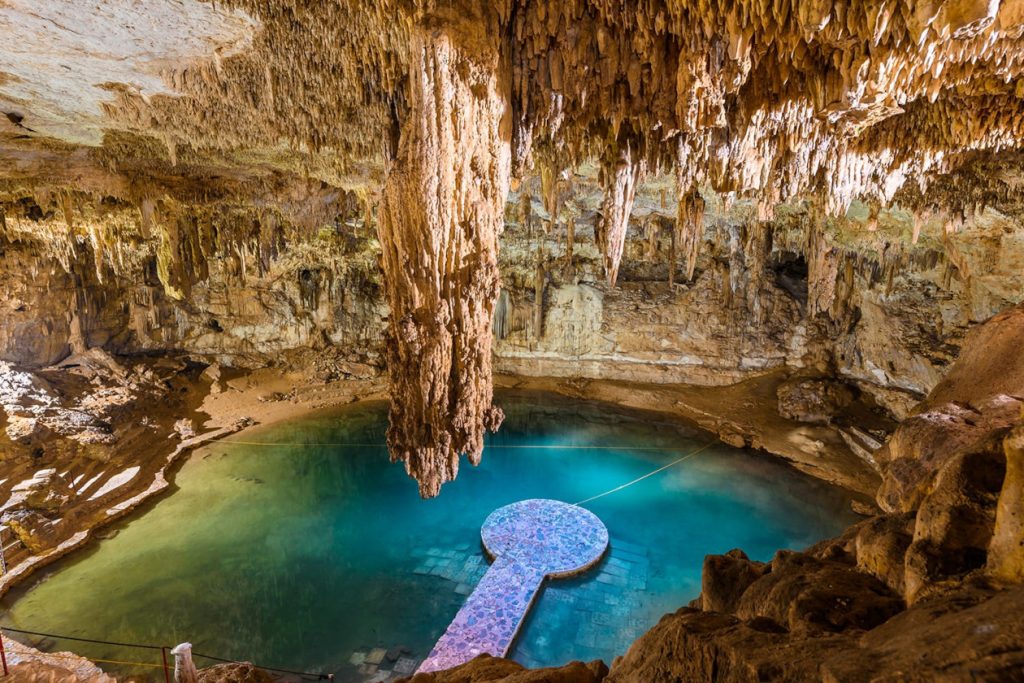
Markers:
(70, 56)
(244, 154)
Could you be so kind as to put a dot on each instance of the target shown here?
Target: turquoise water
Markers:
(311, 557)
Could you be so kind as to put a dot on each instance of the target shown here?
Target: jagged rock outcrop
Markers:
(979, 399)
(902, 105)
(488, 668)
(838, 612)
(620, 184)
(1006, 550)
(744, 105)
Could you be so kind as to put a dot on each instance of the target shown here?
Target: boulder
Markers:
(954, 524)
(813, 596)
(45, 491)
(813, 400)
(495, 669)
(35, 531)
(981, 396)
(707, 647)
(240, 672)
(881, 545)
(725, 577)
(974, 635)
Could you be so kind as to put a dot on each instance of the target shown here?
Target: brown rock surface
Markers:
(954, 524)
(881, 545)
(807, 595)
(982, 395)
(1006, 550)
(724, 579)
(234, 673)
(497, 670)
(813, 400)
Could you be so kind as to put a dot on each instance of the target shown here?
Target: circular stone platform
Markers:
(549, 536)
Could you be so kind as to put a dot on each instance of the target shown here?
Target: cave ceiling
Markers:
(430, 111)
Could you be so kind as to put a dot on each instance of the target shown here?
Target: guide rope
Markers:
(163, 649)
(649, 474)
(56, 655)
(80, 640)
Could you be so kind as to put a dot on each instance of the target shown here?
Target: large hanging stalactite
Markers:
(441, 213)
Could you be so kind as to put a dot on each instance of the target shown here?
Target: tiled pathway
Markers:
(530, 540)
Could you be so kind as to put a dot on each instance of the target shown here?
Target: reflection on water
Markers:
(324, 558)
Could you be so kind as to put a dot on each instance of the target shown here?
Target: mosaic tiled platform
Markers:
(530, 541)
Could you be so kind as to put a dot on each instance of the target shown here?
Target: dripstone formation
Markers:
(428, 110)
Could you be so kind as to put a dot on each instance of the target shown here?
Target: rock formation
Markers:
(761, 103)
(621, 179)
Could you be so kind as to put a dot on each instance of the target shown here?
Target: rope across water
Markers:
(512, 446)
(649, 474)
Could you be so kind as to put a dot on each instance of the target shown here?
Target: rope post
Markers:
(184, 667)
(167, 671)
(3, 653)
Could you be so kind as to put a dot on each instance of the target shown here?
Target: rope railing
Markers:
(163, 649)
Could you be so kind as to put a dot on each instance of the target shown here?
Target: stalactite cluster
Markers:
(916, 103)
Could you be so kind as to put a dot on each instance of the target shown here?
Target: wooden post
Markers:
(184, 668)
(167, 670)
(3, 557)
(3, 654)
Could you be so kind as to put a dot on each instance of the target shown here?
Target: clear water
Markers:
(307, 556)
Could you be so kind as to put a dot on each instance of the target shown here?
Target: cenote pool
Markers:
(315, 553)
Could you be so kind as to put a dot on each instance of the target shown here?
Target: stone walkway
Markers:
(530, 541)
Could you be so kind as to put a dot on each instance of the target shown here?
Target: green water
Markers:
(308, 557)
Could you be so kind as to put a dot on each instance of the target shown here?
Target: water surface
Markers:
(312, 552)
